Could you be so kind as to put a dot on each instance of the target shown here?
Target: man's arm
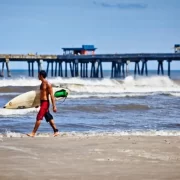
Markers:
(52, 97)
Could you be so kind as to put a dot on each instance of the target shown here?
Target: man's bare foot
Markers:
(31, 135)
(56, 134)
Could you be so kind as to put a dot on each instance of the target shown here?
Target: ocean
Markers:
(144, 105)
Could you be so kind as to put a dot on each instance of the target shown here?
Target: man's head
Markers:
(42, 74)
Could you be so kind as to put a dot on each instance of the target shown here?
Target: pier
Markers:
(84, 63)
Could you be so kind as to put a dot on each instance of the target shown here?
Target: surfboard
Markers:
(31, 99)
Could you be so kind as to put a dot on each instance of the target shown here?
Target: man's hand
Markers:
(54, 109)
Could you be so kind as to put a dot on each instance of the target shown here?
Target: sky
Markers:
(113, 26)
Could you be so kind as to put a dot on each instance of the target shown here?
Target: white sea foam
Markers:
(13, 94)
(19, 82)
(105, 87)
(103, 95)
(128, 86)
(177, 94)
(9, 134)
(10, 112)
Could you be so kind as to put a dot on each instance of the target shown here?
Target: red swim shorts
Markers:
(44, 108)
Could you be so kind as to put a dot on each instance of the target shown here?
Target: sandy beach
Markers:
(90, 158)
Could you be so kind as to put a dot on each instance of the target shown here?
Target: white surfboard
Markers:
(31, 99)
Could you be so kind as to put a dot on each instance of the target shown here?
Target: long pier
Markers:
(78, 64)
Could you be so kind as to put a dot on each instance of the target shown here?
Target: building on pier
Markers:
(79, 67)
(84, 50)
(177, 48)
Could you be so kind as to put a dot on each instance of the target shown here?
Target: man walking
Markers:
(45, 91)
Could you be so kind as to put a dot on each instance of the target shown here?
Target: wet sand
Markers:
(90, 158)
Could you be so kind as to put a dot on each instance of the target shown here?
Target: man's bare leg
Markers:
(51, 122)
(37, 124)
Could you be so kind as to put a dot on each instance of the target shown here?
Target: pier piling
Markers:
(47, 69)
(2, 70)
(52, 68)
(169, 68)
(137, 68)
(144, 67)
(7, 67)
(118, 69)
(160, 67)
(31, 68)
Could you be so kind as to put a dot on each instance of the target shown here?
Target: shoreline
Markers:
(148, 133)
(90, 157)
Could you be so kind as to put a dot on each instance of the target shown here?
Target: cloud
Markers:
(121, 5)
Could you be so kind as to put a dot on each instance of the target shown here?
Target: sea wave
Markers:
(130, 86)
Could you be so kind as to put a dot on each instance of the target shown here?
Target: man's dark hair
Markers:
(43, 73)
